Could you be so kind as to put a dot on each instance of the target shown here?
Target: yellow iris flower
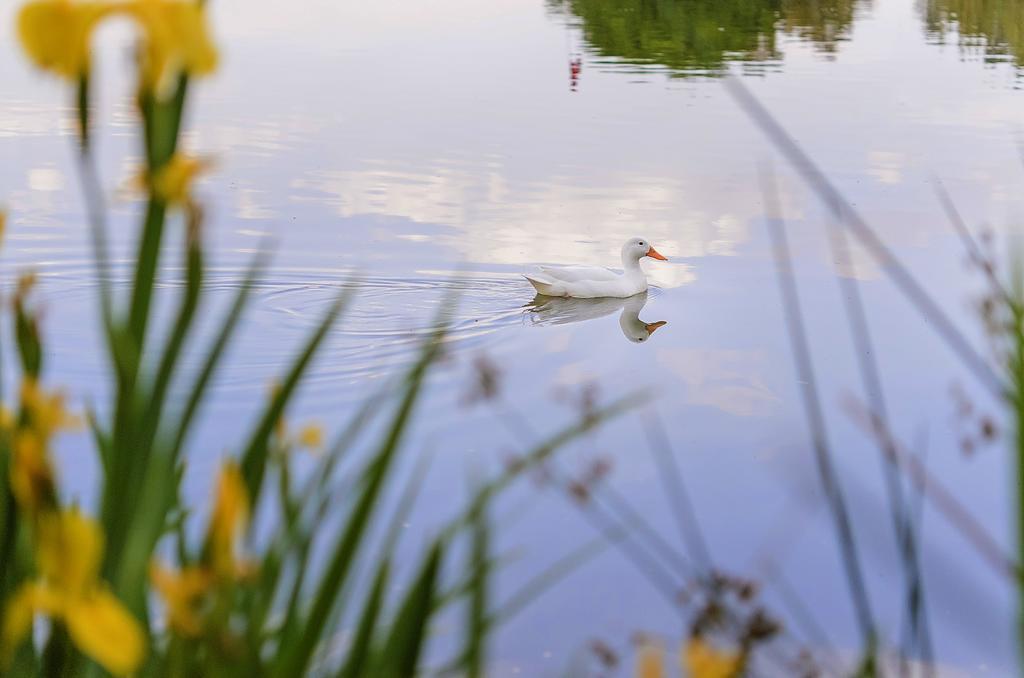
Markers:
(311, 436)
(45, 412)
(68, 553)
(31, 474)
(183, 593)
(177, 41)
(172, 183)
(698, 659)
(703, 660)
(55, 35)
(649, 662)
(229, 520)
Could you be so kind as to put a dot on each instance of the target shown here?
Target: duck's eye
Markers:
(641, 243)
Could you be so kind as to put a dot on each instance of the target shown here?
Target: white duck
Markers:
(589, 282)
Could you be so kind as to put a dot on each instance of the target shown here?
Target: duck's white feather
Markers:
(618, 285)
(590, 282)
(545, 286)
(576, 273)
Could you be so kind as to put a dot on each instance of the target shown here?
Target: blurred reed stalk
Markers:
(816, 422)
(1006, 382)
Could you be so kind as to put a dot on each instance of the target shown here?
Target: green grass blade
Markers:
(362, 642)
(82, 106)
(26, 334)
(321, 497)
(100, 439)
(254, 458)
(92, 192)
(181, 430)
(392, 534)
(145, 526)
(162, 122)
(476, 623)
(8, 522)
(296, 652)
(129, 459)
(130, 464)
(145, 274)
(346, 438)
(400, 653)
(176, 339)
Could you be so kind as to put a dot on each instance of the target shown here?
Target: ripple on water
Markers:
(383, 325)
(381, 329)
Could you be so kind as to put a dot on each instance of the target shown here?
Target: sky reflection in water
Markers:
(420, 151)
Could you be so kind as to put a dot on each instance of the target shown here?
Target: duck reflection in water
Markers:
(546, 310)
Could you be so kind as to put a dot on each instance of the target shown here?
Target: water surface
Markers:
(415, 151)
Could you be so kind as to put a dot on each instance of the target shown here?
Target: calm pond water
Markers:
(447, 146)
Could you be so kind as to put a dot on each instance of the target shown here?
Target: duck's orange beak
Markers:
(650, 327)
(655, 254)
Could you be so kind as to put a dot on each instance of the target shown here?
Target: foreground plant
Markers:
(125, 587)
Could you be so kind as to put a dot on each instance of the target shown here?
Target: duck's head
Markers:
(636, 249)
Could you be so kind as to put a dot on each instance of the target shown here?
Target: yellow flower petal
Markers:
(312, 436)
(18, 613)
(69, 550)
(177, 41)
(182, 592)
(45, 411)
(173, 182)
(102, 628)
(229, 519)
(31, 474)
(55, 33)
(650, 662)
(42, 415)
(26, 282)
(19, 610)
(702, 660)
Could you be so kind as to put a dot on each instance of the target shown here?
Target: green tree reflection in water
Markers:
(825, 23)
(699, 37)
(993, 29)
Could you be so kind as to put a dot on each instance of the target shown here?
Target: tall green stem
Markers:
(130, 453)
